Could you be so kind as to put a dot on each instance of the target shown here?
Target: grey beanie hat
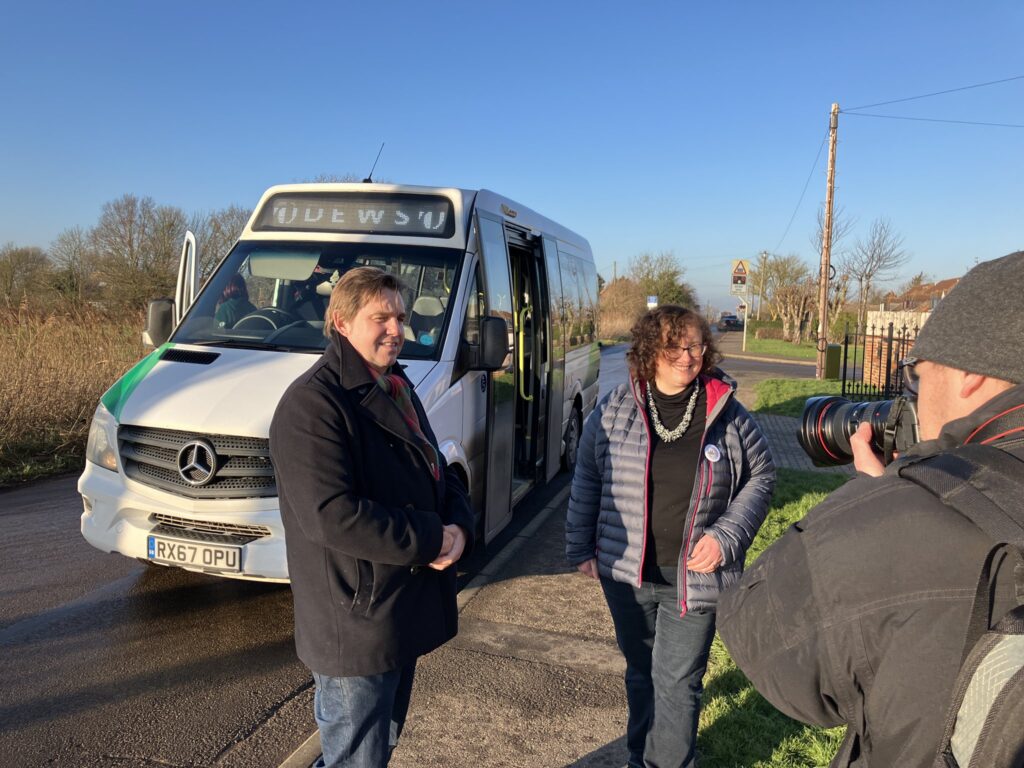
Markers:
(979, 326)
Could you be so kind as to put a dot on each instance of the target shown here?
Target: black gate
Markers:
(871, 361)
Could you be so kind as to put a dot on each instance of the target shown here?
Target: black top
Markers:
(672, 476)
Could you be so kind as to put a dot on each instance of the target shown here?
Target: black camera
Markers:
(828, 422)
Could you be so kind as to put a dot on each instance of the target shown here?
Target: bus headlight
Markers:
(102, 446)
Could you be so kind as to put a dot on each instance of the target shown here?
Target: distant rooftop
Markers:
(920, 298)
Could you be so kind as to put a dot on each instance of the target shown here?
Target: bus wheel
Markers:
(572, 440)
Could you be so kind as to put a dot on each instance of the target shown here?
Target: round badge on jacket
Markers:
(712, 452)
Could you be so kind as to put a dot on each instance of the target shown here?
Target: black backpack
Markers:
(984, 727)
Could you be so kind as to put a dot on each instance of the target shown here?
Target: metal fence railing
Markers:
(871, 361)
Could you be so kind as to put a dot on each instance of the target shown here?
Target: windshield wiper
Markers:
(252, 344)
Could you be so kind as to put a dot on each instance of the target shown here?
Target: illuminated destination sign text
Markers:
(385, 214)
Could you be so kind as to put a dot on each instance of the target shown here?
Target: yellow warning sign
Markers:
(740, 268)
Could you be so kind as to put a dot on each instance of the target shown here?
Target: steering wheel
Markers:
(268, 316)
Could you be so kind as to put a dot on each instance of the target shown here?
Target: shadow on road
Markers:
(609, 756)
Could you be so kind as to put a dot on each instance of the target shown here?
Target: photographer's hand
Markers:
(864, 457)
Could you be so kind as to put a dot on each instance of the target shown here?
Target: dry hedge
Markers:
(56, 365)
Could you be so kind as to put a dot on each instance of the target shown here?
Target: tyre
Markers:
(572, 440)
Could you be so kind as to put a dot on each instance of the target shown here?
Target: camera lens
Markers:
(828, 422)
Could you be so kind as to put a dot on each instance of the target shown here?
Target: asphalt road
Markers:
(106, 661)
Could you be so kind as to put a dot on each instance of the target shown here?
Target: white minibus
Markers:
(500, 345)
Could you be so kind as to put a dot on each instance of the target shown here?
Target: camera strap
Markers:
(1003, 425)
(981, 482)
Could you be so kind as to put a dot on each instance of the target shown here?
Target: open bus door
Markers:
(188, 278)
(501, 389)
(530, 302)
(517, 409)
(164, 315)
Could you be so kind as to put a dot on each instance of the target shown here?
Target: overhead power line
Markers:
(938, 93)
(933, 120)
(803, 192)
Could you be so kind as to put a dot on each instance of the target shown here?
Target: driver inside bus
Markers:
(234, 302)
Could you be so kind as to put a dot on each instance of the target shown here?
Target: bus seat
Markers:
(425, 319)
(325, 288)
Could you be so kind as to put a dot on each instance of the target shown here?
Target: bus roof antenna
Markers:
(369, 176)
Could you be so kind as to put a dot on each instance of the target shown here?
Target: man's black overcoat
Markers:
(362, 516)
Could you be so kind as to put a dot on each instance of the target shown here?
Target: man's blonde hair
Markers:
(354, 290)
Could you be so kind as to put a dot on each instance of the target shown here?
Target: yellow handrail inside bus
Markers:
(522, 353)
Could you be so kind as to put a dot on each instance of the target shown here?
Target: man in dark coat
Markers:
(373, 521)
(857, 615)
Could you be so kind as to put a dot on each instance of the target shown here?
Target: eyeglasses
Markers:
(911, 381)
(695, 351)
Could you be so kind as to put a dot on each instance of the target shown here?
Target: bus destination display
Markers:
(416, 215)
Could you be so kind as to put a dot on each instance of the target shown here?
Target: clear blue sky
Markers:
(643, 126)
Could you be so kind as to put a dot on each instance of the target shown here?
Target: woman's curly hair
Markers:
(649, 339)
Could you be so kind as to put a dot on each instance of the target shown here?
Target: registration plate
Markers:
(196, 554)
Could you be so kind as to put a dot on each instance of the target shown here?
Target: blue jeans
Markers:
(361, 718)
(666, 657)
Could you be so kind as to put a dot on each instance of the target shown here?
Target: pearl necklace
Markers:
(665, 435)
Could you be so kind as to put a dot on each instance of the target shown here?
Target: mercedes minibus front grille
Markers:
(207, 530)
(243, 468)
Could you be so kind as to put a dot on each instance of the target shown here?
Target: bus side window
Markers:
(571, 300)
(588, 300)
(474, 311)
(469, 341)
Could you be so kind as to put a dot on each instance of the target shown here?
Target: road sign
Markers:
(740, 270)
(652, 302)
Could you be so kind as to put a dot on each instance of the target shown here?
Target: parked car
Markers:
(729, 322)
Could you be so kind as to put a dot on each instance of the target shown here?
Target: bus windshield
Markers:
(274, 294)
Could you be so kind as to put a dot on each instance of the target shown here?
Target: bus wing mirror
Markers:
(159, 321)
(493, 343)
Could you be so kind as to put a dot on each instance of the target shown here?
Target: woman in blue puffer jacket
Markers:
(672, 482)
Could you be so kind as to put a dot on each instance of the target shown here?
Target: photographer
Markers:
(857, 615)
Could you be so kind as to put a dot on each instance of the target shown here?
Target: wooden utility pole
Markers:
(826, 245)
(762, 264)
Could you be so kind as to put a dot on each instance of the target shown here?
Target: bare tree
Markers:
(792, 290)
(839, 278)
(75, 259)
(23, 274)
(874, 260)
(137, 245)
(842, 225)
(215, 233)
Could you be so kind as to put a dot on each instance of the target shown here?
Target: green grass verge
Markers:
(24, 462)
(786, 397)
(738, 727)
(779, 348)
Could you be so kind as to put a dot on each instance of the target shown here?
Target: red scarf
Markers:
(400, 392)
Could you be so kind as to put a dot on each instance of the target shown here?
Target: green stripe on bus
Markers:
(115, 397)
